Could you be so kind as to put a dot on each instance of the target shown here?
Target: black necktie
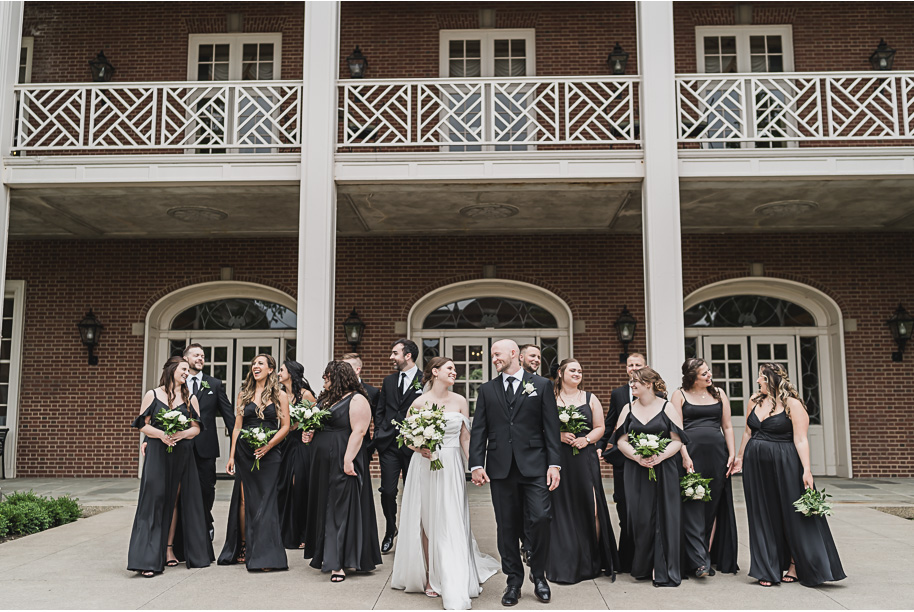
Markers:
(402, 387)
(196, 385)
(509, 392)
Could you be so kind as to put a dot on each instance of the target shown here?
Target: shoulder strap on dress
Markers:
(682, 393)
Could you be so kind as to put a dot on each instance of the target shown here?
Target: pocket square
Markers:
(210, 393)
(534, 394)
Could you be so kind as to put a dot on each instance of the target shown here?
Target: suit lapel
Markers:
(410, 396)
(521, 396)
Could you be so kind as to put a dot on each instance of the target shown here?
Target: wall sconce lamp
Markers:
(357, 63)
(353, 328)
(625, 327)
(89, 330)
(617, 60)
(900, 325)
(883, 56)
(101, 68)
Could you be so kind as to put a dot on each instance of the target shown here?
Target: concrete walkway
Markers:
(81, 565)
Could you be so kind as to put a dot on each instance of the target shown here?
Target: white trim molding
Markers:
(15, 289)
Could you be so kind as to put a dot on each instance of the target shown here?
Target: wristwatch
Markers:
(587, 438)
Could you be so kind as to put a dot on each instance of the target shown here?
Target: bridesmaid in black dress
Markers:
(169, 526)
(774, 458)
(296, 461)
(341, 532)
(253, 535)
(709, 528)
(582, 545)
(654, 507)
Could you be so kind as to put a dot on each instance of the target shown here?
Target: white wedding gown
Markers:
(436, 502)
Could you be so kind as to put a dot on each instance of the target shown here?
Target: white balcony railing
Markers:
(840, 107)
(497, 114)
(243, 115)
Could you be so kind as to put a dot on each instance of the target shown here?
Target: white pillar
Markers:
(317, 207)
(660, 203)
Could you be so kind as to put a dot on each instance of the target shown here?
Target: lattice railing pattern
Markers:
(223, 115)
(795, 107)
(493, 112)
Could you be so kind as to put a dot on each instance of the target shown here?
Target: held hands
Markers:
(807, 479)
(552, 478)
(230, 467)
(736, 467)
(168, 440)
(729, 466)
(348, 468)
(480, 477)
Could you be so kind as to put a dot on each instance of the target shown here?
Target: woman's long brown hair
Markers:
(271, 388)
(168, 381)
(342, 380)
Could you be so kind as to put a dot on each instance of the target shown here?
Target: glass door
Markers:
(248, 348)
(474, 363)
(727, 356)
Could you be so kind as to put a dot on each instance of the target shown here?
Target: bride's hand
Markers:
(425, 453)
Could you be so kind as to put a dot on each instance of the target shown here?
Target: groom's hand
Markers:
(552, 478)
(480, 477)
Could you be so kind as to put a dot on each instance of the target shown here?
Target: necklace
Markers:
(565, 397)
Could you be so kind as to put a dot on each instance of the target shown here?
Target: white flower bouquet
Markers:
(172, 422)
(571, 421)
(307, 416)
(257, 437)
(423, 428)
(648, 445)
(813, 503)
(695, 488)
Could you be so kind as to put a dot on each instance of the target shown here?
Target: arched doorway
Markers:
(233, 321)
(461, 321)
(737, 324)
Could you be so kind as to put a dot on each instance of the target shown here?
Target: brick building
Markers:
(741, 187)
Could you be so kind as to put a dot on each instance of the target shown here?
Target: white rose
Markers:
(182, 418)
(699, 491)
(429, 432)
(690, 492)
(652, 444)
(261, 437)
(171, 414)
(652, 437)
(412, 418)
(426, 414)
(307, 413)
(564, 417)
(418, 441)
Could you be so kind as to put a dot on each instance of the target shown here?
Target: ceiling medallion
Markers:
(489, 211)
(786, 208)
(196, 214)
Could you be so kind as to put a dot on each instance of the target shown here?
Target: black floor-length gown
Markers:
(708, 450)
(654, 507)
(262, 537)
(341, 531)
(772, 481)
(575, 553)
(163, 474)
(293, 489)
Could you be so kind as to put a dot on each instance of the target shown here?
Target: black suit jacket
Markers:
(391, 406)
(213, 402)
(617, 401)
(372, 394)
(529, 434)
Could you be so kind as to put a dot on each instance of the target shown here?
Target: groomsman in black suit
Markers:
(530, 358)
(213, 401)
(398, 391)
(515, 443)
(621, 396)
(372, 393)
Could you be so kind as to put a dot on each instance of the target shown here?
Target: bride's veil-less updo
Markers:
(433, 364)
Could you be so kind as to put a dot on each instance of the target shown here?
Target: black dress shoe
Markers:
(387, 545)
(512, 594)
(212, 534)
(541, 589)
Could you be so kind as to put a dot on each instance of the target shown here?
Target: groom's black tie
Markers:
(196, 386)
(509, 392)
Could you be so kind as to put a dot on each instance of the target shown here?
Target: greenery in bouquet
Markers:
(172, 422)
(571, 421)
(308, 417)
(695, 488)
(813, 503)
(257, 437)
(423, 427)
(648, 445)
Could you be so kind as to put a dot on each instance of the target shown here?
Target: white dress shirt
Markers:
(190, 381)
(410, 376)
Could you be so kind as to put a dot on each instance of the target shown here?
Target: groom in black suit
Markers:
(210, 394)
(515, 444)
(398, 392)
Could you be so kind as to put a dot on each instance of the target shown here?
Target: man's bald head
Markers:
(505, 356)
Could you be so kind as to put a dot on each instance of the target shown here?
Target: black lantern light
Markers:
(101, 68)
(900, 325)
(617, 60)
(625, 327)
(89, 330)
(357, 63)
(353, 328)
(883, 56)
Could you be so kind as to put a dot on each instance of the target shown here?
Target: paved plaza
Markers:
(81, 565)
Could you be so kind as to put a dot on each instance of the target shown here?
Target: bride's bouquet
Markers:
(423, 428)
(308, 417)
(695, 488)
(172, 422)
(813, 503)
(648, 445)
(256, 438)
(571, 421)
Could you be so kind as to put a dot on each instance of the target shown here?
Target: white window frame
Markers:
(15, 289)
(742, 34)
(28, 42)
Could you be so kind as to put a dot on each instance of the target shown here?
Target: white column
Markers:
(660, 204)
(317, 207)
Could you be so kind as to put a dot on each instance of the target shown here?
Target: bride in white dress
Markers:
(436, 552)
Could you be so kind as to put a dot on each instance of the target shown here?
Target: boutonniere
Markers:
(204, 384)
(417, 386)
(528, 388)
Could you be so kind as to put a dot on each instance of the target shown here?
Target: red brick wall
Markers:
(74, 418)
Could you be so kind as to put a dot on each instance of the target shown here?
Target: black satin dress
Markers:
(293, 489)
(575, 553)
(262, 537)
(341, 531)
(772, 481)
(708, 450)
(654, 507)
(163, 474)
